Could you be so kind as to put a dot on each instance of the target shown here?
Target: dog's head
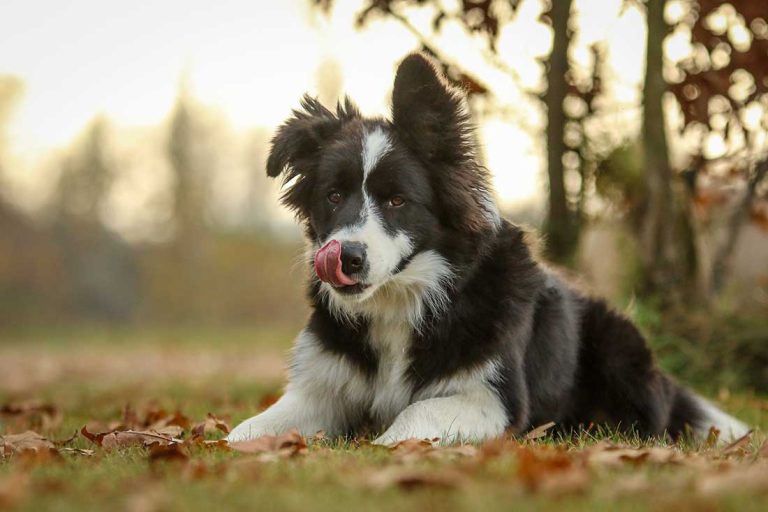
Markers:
(376, 195)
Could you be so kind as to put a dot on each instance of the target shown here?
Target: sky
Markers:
(252, 60)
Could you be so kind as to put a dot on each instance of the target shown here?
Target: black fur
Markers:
(565, 357)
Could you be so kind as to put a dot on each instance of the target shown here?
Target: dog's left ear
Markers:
(428, 113)
(431, 118)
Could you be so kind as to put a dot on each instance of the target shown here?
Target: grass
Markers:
(198, 372)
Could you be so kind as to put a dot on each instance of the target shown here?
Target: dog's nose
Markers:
(352, 257)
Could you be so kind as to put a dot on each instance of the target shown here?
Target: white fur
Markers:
(325, 392)
(730, 428)
(376, 144)
(461, 408)
(392, 393)
(423, 284)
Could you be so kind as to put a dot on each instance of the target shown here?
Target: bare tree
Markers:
(657, 248)
(561, 227)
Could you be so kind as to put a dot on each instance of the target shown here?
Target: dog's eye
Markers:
(334, 197)
(395, 201)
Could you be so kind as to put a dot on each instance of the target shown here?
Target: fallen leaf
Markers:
(751, 478)
(65, 442)
(13, 488)
(210, 424)
(283, 446)
(539, 431)
(551, 471)
(29, 440)
(411, 450)
(32, 414)
(614, 456)
(497, 447)
(168, 453)
(126, 438)
(414, 445)
(123, 439)
(38, 457)
(413, 479)
(196, 470)
(739, 445)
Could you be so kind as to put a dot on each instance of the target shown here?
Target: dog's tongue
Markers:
(328, 265)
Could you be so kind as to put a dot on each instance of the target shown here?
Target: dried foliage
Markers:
(539, 464)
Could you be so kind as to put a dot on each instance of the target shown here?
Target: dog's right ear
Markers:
(297, 144)
(303, 134)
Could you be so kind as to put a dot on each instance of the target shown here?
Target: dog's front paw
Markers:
(387, 439)
(249, 429)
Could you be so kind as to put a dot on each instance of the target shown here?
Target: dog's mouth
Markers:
(328, 268)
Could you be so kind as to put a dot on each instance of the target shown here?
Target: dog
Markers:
(431, 318)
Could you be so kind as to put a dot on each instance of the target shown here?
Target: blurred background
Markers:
(133, 198)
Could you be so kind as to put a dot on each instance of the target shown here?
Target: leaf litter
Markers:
(534, 463)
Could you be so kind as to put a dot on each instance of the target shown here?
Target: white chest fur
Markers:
(390, 392)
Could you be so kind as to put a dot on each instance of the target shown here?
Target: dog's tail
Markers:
(694, 411)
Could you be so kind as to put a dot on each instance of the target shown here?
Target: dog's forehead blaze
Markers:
(376, 143)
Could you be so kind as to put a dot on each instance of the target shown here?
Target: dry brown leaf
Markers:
(197, 470)
(126, 438)
(285, 445)
(408, 479)
(221, 444)
(210, 424)
(411, 446)
(13, 488)
(64, 442)
(176, 453)
(26, 441)
(411, 450)
(739, 445)
(494, 448)
(32, 414)
(539, 431)
(37, 457)
(614, 456)
(750, 478)
(551, 471)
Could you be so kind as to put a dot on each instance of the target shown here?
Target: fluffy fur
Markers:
(453, 330)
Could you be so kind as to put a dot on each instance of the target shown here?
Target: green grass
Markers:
(332, 475)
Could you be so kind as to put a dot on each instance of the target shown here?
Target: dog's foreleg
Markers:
(294, 410)
(324, 394)
(465, 417)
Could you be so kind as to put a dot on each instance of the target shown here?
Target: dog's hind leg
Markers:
(618, 381)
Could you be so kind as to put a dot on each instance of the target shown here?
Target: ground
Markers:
(161, 384)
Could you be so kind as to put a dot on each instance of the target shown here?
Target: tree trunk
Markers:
(560, 225)
(721, 265)
(657, 249)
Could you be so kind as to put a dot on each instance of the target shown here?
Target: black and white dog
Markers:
(430, 316)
